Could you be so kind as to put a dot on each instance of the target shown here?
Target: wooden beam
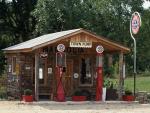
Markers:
(120, 87)
(36, 75)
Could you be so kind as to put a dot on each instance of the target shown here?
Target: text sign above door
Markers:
(81, 44)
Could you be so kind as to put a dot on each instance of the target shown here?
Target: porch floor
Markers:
(45, 102)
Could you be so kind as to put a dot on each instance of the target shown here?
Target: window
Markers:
(86, 71)
(13, 64)
(42, 71)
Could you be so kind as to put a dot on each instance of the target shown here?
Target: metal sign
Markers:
(135, 23)
(61, 47)
(81, 44)
(99, 49)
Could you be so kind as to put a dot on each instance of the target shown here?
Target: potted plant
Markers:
(106, 84)
(112, 91)
(128, 96)
(78, 96)
(27, 97)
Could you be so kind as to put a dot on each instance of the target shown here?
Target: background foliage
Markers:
(21, 20)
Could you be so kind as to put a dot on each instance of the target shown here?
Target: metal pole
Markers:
(134, 50)
(134, 57)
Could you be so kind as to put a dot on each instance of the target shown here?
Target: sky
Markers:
(146, 4)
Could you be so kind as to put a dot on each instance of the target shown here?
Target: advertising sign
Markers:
(99, 49)
(135, 24)
(81, 44)
(61, 47)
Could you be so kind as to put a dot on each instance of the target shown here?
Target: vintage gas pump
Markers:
(99, 66)
(60, 65)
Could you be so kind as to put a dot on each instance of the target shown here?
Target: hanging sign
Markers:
(43, 55)
(50, 71)
(61, 47)
(40, 73)
(99, 49)
(75, 75)
(135, 23)
(81, 44)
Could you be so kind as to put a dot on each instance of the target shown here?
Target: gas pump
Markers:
(99, 71)
(60, 64)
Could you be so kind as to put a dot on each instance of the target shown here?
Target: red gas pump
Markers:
(99, 71)
(60, 64)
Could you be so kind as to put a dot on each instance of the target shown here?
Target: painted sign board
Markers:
(81, 44)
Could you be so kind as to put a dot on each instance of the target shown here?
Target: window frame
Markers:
(13, 64)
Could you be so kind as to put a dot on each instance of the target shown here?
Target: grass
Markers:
(142, 83)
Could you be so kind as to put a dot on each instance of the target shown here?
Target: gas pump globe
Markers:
(60, 65)
(99, 67)
(60, 59)
(99, 60)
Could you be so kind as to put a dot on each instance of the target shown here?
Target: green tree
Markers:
(143, 42)
(16, 19)
(16, 24)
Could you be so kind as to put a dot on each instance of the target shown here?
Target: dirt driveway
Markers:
(72, 107)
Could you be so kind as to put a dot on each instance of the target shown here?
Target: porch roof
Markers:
(44, 40)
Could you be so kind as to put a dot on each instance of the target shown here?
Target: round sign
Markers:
(99, 49)
(76, 75)
(61, 47)
(135, 23)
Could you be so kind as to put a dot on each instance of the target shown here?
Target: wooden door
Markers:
(68, 78)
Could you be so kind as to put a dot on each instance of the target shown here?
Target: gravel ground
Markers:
(72, 107)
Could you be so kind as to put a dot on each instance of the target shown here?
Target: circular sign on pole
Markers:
(99, 49)
(135, 23)
(61, 47)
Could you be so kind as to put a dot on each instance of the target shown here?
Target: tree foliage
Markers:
(21, 19)
(16, 24)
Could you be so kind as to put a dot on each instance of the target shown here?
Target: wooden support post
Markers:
(18, 77)
(120, 88)
(36, 76)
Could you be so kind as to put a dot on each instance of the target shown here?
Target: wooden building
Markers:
(32, 64)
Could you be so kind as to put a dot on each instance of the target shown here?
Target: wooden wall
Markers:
(25, 78)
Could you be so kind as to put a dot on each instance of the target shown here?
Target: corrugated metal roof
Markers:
(40, 40)
(45, 40)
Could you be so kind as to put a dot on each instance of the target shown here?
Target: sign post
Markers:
(135, 24)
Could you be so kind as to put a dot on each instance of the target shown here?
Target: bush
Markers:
(77, 93)
(28, 92)
(146, 73)
(3, 93)
(128, 92)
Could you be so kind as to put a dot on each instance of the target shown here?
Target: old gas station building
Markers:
(36, 64)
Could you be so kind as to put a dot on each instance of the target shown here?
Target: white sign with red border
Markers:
(61, 47)
(135, 23)
(99, 49)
